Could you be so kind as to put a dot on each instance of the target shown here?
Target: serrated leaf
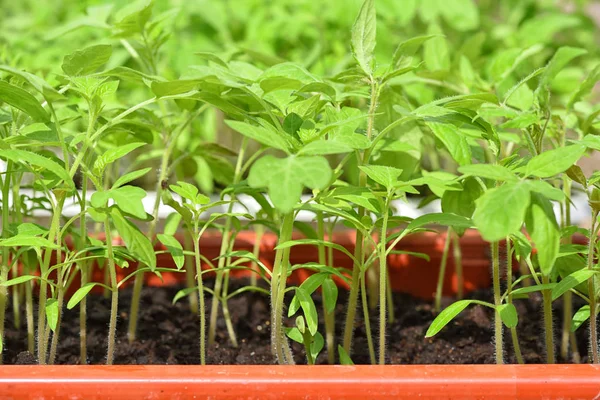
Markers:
(500, 212)
(409, 47)
(112, 155)
(260, 134)
(384, 175)
(561, 58)
(364, 36)
(324, 147)
(489, 171)
(553, 162)
(23, 156)
(455, 142)
(86, 61)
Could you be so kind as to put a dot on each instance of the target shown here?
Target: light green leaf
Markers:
(316, 242)
(135, 241)
(435, 51)
(112, 155)
(581, 316)
(447, 315)
(453, 140)
(364, 36)
(260, 134)
(489, 171)
(174, 248)
(384, 175)
(330, 294)
(408, 48)
(508, 314)
(501, 211)
(131, 176)
(30, 229)
(553, 162)
(285, 178)
(561, 58)
(324, 147)
(586, 86)
(309, 286)
(541, 225)
(309, 310)
(23, 100)
(52, 313)
(127, 198)
(80, 294)
(571, 281)
(344, 357)
(27, 240)
(86, 61)
(172, 224)
(52, 166)
(446, 219)
(19, 280)
(175, 88)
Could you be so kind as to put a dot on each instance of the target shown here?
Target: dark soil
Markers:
(168, 334)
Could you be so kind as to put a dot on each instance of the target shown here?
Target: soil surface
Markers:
(168, 334)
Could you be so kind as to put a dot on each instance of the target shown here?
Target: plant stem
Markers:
(359, 242)
(4, 268)
(17, 217)
(190, 273)
(383, 280)
(458, 267)
(258, 231)
(390, 300)
(592, 290)
(280, 344)
(201, 307)
(548, 329)
(54, 234)
(56, 333)
(328, 316)
(497, 301)
(442, 273)
(509, 279)
(114, 303)
(367, 318)
(214, 311)
(84, 277)
(29, 313)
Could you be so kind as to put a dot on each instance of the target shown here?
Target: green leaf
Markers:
(447, 315)
(112, 155)
(541, 225)
(330, 294)
(324, 147)
(580, 317)
(135, 241)
(364, 36)
(508, 314)
(30, 229)
(52, 166)
(285, 178)
(586, 86)
(446, 219)
(561, 58)
(570, 281)
(23, 100)
(260, 134)
(131, 176)
(316, 345)
(27, 240)
(127, 198)
(80, 294)
(533, 288)
(435, 51)
(38, 83)
(344, 357)
(52, 313)
(501, 211)
(553, 162)
(316, 242)
(309, 310)
(408, 48)
(453, 140)
(19, 280)
(576, 174)
(86, 61)
(384, 175)
(545, 189)
(174, 248)
(462, 202)
(172, 224)
(309, 285)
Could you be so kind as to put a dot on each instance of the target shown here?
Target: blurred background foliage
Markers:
(483, 45)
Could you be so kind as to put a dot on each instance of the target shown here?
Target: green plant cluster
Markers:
(487, 106)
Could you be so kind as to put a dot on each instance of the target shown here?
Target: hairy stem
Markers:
(458, 267)
(4, 268)
(509, 280)
(259, 231)
(497, 301)
(383, 280)
(367, 318)
(190, 276)
(201, 306)
(328, 316)
(114, 301)
(592, 290)
(548, 329)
